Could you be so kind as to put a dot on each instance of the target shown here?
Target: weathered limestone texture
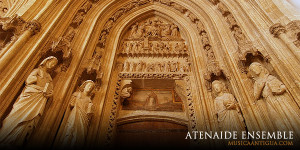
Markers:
(127, 66)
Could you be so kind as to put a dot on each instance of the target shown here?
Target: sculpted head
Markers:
(218, 86)
(87, 87)
(49, 63)
(255, 69)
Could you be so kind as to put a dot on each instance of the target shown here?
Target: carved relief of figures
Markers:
(78, 120)
(280, 106)
(227, 110)
(153, 27)
(155, 47)
(17, 127)
(158, 66)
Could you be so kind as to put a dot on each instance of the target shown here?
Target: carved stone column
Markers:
(30, 29)
(279, 32)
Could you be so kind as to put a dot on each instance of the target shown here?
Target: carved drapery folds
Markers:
(78, 118)
(17, 127)
(227, 109)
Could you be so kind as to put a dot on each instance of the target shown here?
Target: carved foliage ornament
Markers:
(277, 29)
(12, 27)
(15, 23)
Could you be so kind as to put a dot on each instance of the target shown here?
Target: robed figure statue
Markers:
(78, 120)
(29, 106)
(227, 110)
(280, 107)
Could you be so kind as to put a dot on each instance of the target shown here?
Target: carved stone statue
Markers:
(29, 106)
(78, 120)
(166, 31)
(133, 30)
(126, 90)
(139, 66)
(227, 110)
(280, 106)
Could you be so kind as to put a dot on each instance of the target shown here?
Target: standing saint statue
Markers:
(29, 106)
(78, 120)
(227, 110)
(280, 106)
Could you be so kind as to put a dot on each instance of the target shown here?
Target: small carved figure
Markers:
(175, 30)
(78, 18)
(166, 31)
(204, 38)
(133, 30)
(126, 92)
(231, 20)
(238, 35)
(140, 31)
(192, 17)
(125, 66)
(108, 25)
(139, 66)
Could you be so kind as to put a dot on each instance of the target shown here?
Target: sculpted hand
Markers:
(230, 105)
(48, 94)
